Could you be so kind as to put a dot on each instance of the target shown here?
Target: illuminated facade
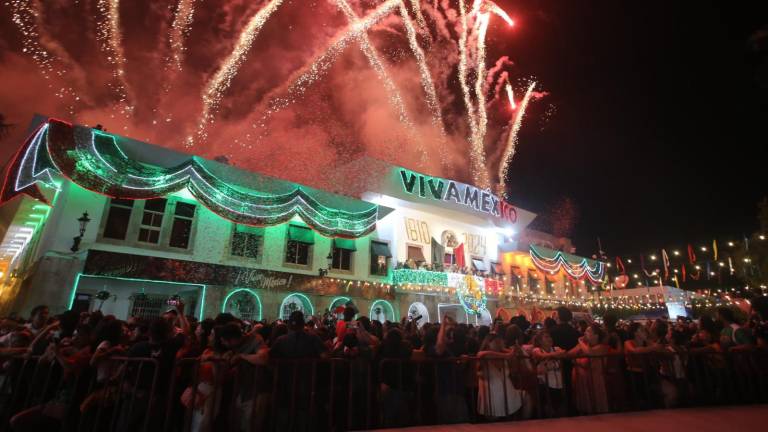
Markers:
(166, 224)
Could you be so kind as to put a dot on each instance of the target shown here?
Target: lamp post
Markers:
(329, 261)
(83, 220)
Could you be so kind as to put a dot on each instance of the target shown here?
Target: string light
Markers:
(95, 162)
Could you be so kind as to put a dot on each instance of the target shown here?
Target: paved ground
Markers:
(747, 418)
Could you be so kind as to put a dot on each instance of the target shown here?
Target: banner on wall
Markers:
(113, 264)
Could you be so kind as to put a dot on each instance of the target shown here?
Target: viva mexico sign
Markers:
(454, 192)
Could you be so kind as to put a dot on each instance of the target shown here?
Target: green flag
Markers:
(438, 252)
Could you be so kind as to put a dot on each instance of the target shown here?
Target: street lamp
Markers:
(329, 260)
(83, 220)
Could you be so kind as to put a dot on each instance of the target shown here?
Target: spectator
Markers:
(395, 378)
(38, 320)
(563, 334)
(732, 334)
(588, 372)
(497, 395)
(341, 326)
(550, 373)
(297, 344)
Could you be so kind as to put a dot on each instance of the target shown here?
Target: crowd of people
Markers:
(515, 368)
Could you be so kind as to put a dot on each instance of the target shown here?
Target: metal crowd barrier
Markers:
(130, 394)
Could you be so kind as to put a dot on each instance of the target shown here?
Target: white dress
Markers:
(492, 400)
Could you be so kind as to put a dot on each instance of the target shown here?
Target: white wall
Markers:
(210, 241)
(438, 220)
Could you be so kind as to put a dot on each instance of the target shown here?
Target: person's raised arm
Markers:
(442, 337)
(181, 319)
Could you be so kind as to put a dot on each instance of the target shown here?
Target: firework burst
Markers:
(440, 40)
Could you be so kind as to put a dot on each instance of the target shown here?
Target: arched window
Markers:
(335, 303)
(243, 303)
(382, 310)
(416, 310)
(294, 302)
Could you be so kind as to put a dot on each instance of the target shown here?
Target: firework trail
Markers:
(109, 35)
(23, 14)
(509, 152)
(426, 81)
(511, 97)
(493, 7)
(45, 50)
(471, 119)
(481, 126)
(182, 22)
(301, 80)
(222, 79)
(373, 58)
(416, 6)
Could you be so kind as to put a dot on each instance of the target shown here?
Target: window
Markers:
(246, 241)
(449, 259)
(342, 254)
(416, 254)
(533, 282)
(118, 218)
(550, 286)
(479, 265)
(152, 220)
(380, 255)
(342, 259)
(297, 253)
(299, 248)
(182, 225)
(496, 269)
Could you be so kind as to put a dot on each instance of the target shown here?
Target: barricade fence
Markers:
(231, 394)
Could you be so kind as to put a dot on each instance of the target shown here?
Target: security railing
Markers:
(136, 394)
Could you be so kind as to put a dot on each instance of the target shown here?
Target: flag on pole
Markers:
(458, 251)
(714, 248)
(620, 266)
(438, 254)
(665, 260)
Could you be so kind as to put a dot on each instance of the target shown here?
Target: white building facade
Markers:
(163, 225)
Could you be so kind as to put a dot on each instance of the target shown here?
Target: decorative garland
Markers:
(578, 270)
(419, 277)
(94, 161)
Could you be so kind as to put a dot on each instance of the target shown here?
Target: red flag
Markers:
(458, 251)
(683, 270)
(691, 255)
(620, 266)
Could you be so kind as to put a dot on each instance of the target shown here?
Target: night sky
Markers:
(660, 130)
(654, 124)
